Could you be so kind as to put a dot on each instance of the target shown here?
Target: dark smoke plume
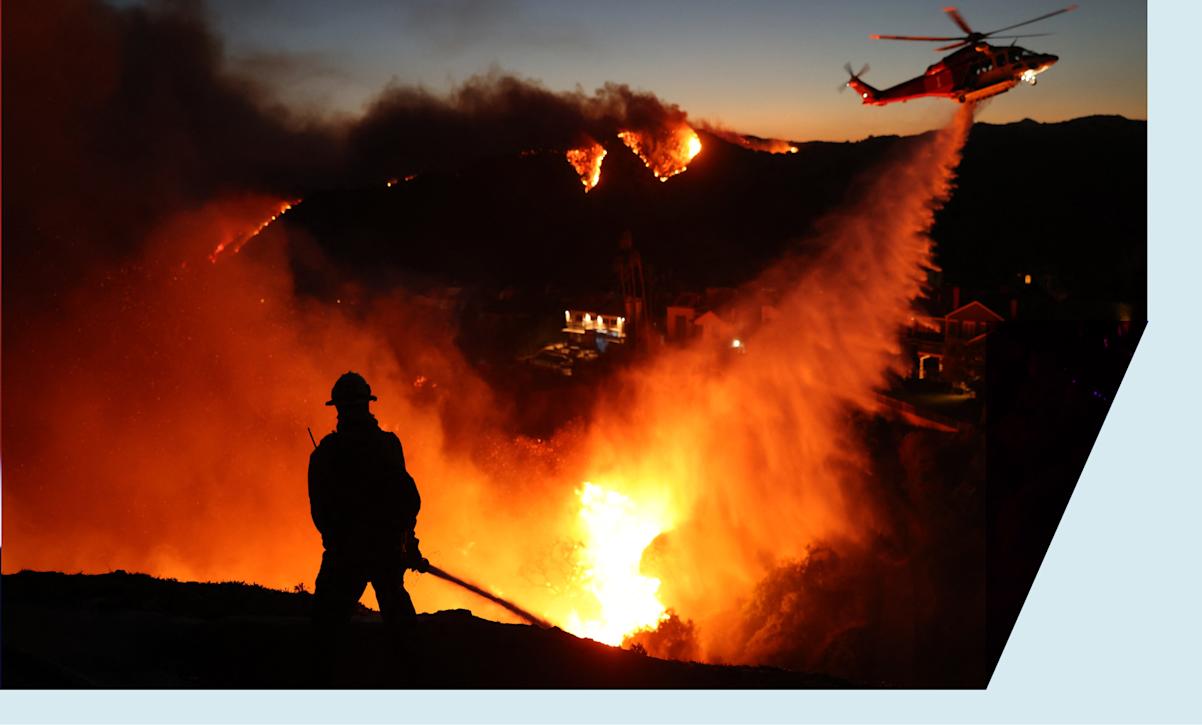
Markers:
(411, 129)
(117, 117)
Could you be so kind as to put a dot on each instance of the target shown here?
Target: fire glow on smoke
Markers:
(615, 533)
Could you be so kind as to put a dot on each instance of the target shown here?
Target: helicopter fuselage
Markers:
(970, 74)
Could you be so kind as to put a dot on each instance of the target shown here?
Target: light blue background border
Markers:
(1112, 630)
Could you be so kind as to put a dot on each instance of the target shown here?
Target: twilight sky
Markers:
(769, 68)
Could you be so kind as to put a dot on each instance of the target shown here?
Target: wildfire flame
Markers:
(666, 155)
(770, 145)
(237, 243)
(756, 143)
(615, 532)
(587, 162)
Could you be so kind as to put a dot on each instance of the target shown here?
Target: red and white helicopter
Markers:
(977, 70)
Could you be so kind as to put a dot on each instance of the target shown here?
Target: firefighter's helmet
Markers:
(350, 388)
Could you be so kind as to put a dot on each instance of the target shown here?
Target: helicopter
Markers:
(977, 70)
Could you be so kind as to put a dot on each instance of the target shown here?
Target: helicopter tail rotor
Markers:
(852, 76)
(867, 93)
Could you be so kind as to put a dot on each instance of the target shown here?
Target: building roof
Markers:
(974, 311)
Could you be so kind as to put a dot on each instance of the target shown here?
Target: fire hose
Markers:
(447, 576)
(515, 609)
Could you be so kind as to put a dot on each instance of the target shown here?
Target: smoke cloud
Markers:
(413, 129)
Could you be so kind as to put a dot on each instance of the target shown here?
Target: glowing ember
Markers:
(587, 162)
(616, 531)
(236, 244)
(666, 155)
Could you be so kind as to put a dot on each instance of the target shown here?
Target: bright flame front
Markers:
(665, 154)
(615, 533)
(587, 162)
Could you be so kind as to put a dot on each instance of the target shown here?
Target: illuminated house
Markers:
(950, 347)
(679, 322)
(710, 317)
(589, 328)
(680, 315)
(714, 328)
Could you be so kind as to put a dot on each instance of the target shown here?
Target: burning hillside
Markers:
(755, 143)
(587, 160)
(667, 153)
(237, 239)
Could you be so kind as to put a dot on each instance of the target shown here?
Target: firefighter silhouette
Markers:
(365, 505)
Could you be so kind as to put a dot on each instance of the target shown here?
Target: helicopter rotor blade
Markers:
(912, 37)
(1025, 35)
(958, 19)
(1070, 8)
(953, 45)
(852, 76)
(856, 74)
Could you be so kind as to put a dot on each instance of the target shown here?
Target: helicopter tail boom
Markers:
(868, 94)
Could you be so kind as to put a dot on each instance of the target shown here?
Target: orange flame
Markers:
(587, 162)
(769, 145)
(666, 154)
(615, 532)
(236, 244)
